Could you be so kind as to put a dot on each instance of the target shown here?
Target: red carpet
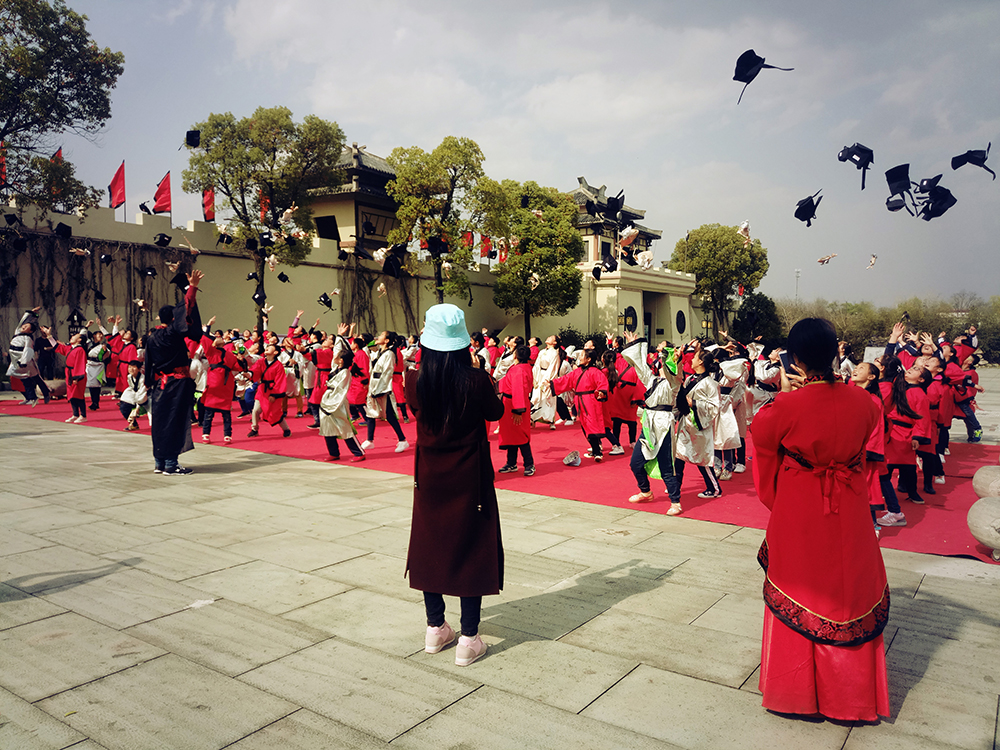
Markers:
(939, 527)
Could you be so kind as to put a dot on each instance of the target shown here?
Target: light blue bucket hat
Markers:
(444, 329)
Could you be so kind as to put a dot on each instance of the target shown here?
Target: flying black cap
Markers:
(748, 65)
(436, 246)
(252, 276)
(251, 245)
(898, 179)
(20, 244)
(266, 240)
(162, 240)
(609, 264)
(342, 254)
(597, 272)
(12, 219)
(283, 278)
(975, 158)
(258, 296)
(180, 280)
(938, 201)
(861, 156)
(63, 230)
(928, 184)
(106, 259)
(324, 299)
(224, 238)
(806, 208)
(97, 294)
(192, 139)
(895, 204)
(149, 271)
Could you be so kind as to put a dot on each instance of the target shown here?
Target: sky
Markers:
(638, 96)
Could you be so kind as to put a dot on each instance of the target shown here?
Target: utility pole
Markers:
(798, 272)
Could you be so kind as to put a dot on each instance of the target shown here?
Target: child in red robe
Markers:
(515, 424)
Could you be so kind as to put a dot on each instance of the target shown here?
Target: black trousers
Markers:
(525, 455)
(471, 612)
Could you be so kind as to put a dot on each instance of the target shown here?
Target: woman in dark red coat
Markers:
(455, 545)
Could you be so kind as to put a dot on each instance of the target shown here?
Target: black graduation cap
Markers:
(106, 259)
(898, 179)
(861, 156)
(180, 280)
(975, 158)
(609, 264)
(524, 201)
(342, 254)
(283, 278)
(266, 240)
(259, 297)
(748, 65)
(162, 240)
(63, 230)
(361, 251)
(290, 241)
(928, 184)
(367, 227)
(12, 219)
(938, 201)
(20, 244)
(895, 204)
(145, 209)
(436, 247)
(324, 299)
(252, 276)
(806, 208)
(192, 139)
(251, 245)
(597, 272)
(615, 205)
(628, 257)
(394, 259)
(97, 294)
(149, 271)
(224, 238)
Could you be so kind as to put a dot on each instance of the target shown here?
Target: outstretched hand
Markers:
(631, 336)
(194, 277)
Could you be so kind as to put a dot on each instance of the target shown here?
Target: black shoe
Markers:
(178, 471)
(915, 498)
(313, 426)
(928, 490)
(252, 433)
(507, 469)
(286, 433)
(529, 471)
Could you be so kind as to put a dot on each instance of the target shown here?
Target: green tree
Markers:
(716, 254)
(433, 191)
(262, 166)
(55, 80)
(757, 317)
(539, 275)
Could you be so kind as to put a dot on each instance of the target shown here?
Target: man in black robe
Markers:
(168, 379)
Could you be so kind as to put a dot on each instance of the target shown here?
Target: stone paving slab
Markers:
(56, 566)
(683, 649)
(18, 607)
(972, 665)
(103, 536)
(12, 542)
(301, 553)
(696, 714)
(167, 702)
(370, 691)
(58, 653)
(177, 559)
(376, 572)
(491, 719)
(150, 512)
(41, 518)
(557, 674)
(268, 587)
(305, 730)
(227, 637)
(11, 501)
(24, 727)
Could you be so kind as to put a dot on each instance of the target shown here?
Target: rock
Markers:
(986, 481)
(984, 522)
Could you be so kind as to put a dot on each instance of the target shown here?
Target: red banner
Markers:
(162, 196)
(116, 190)
(485, 247)
(208, 204)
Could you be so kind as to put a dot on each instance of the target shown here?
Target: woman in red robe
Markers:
(76, 373)
(589, 386)
(270, 393)
(825, 586)
(515, 424)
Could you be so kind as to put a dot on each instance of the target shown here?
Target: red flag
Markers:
(208, 204)
(503, 252)
(264, 205)
(57, 156)
(467, 239)
(485, 247)
(116, 190)
(162, 196)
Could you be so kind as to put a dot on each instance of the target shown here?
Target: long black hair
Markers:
(711, 367)
(608, 359)
(444, 383)
(897, 397)
(814, 342)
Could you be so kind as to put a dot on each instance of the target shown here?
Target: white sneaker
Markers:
(947, 451)
(496, 431)
(568, 422)
(401, 446)
(80, 420)
(938, 480)
(558, 421)
(941, 456)
(71, 419)
(469, 650)
(739, 469)
(616, 450)
(367, 444)
(725, 475)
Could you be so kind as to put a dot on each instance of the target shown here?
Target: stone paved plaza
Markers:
(260, 603)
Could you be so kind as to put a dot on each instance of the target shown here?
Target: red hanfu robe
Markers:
(357, 392)
(875, 454)
(626, 396)
(220, 384)
(126, 353)
(902, 429)
(825, 584)
(515, 392)
(76, 370)
(397, 378)
(271, 391)
(323, 359)
(590, 389)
